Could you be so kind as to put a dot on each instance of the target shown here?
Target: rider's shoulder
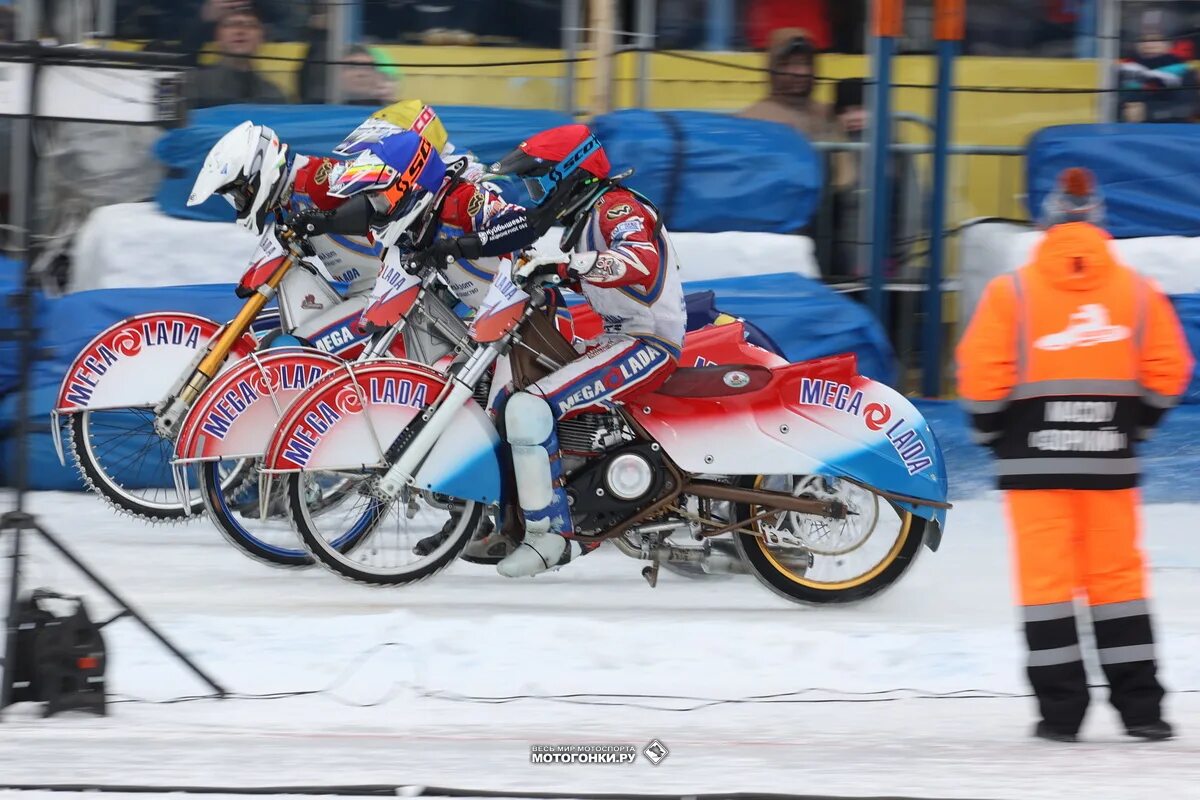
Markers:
(618, 203)
(462, 202)
(312, 176)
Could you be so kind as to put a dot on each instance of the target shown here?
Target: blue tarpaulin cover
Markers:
(707, 172)
(714, 172)
(1149, 174)
(489, 133)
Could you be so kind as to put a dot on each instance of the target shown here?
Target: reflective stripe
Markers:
(984, 406)
(1130, 608)
(1111, 388)
(1048, 611)
(1022, 357)
(1139, 328)
(1067, 466)
(1057, 655)
(980, 437)
(1156, 400)
(1128, 654)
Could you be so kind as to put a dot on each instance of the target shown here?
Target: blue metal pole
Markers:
(1086, 17)
(720, 25)
(931, 372)
(881, 192)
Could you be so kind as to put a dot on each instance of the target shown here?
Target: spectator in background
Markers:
(1156, 84)
(232, 78)
(364, 81)
(908, 198)
(792, 63)
(765, 17)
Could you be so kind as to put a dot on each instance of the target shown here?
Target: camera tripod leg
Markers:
(18, 522)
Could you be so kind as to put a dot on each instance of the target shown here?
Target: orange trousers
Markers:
(1072, 541)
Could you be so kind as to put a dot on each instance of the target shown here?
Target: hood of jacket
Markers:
(1075, 256)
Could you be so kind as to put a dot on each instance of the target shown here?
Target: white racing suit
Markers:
(626, 269)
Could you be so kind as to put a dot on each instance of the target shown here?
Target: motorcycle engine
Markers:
(615, 485)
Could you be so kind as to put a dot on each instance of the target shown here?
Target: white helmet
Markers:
(248, 168)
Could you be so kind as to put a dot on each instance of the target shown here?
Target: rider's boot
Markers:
(529, 424)
(487, 544)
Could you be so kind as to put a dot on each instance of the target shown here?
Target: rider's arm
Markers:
(326, 214)
(630, 254)
(491, 226)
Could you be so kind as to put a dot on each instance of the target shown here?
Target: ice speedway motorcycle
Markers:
(129, 392)
(229, 424)
(828, 482)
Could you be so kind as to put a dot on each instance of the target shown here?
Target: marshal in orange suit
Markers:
(1065, 366)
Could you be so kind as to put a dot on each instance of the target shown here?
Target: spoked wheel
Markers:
(238, 511)
(122, 457)
(386, 532)
(818, 560)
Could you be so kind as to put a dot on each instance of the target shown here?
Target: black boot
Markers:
(1045, 730)
(1152, 731)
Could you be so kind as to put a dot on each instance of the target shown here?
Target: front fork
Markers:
(169, 414)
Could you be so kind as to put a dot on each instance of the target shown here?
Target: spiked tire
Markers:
(114, 494)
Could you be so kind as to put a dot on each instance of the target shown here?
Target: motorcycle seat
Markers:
(715, 381)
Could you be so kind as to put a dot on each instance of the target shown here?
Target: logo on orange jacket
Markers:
(1090, 325)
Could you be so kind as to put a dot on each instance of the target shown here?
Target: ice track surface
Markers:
(396, 714)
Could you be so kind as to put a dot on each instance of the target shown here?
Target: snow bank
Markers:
(136, 245)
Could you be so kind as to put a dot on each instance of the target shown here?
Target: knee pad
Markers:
(528, 420)
(529, 425)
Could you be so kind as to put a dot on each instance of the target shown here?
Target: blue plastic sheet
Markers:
(707, 172)
(1150, 174)
(1187, 306)
(489, 133)
(806, 319)
(714, 172)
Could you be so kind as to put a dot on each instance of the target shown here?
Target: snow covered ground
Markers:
(399, 712)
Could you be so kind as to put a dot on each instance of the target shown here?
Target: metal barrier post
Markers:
(646, 22)
(603, 22)
(1085, 28)
(719, 25)
(1107, 53)
(338, 19)
(889, 25)
(949, 22)
(572, 21)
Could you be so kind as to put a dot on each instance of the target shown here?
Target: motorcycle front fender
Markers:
(349, 418)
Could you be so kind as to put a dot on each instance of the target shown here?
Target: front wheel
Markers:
(123, 459)
(821, 561)
(387, 533)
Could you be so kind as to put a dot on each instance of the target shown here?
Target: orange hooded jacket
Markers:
(1067, 362)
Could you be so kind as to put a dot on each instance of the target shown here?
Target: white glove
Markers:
(548, 270)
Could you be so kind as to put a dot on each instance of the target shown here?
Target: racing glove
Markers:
(554, 268)
(352, 218)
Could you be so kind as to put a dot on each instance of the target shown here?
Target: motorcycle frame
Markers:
(535, 348)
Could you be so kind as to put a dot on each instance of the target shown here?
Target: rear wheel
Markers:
(386, 533)
(818, 560)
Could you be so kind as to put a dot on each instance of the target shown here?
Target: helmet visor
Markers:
(372, 131)
(363, 174)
